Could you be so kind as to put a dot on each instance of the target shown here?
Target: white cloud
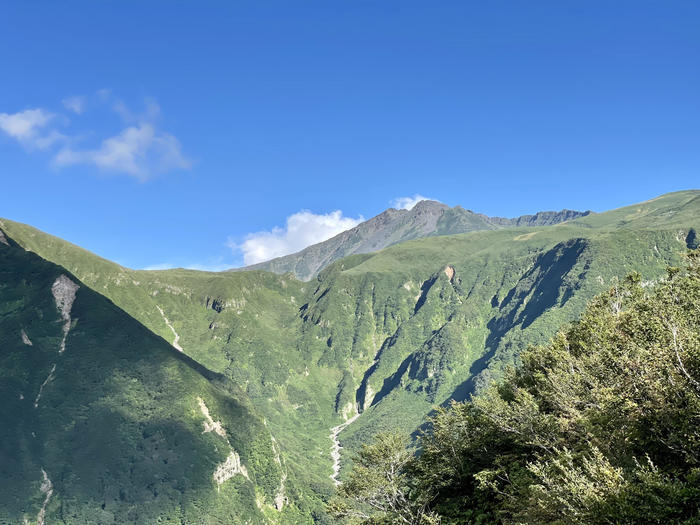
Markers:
(26, 127)
(302, 229)
(407, 203)
(48, 140)
(74, 104)
(140, 151)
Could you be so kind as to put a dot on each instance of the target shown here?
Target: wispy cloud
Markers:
(140, 149)
(104, 94)
(74, 104)
(150, 113)
(407, 203)
(29, 127)
(302, 229)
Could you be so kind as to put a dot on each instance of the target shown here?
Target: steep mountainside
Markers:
(390, 334)
(241, 325)
(103, 421)
(425, 219)
(434, 319)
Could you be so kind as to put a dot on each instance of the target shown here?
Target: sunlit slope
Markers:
(672, 209)
(242, 325)
(433, 319)
(102, 421)
(427, 218)
(390, 334)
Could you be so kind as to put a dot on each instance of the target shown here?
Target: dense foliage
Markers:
(602, 425)
(110, 429)
(389, 334)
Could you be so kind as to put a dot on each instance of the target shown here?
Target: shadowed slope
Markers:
(390, 334)
(110, 430)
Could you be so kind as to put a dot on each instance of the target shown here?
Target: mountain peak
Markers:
(392, 226)
(429, 205)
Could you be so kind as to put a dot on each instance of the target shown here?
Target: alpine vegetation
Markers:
(601, 425)
(438, 379)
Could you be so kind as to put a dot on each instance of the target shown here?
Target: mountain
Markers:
(393, 226)
(377, 340)
(103, 421)
(597, 426)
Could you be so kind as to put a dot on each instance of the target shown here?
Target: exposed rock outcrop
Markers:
(230, 468)
(232, 465)
(25, 338)
(47, 489)
(64, 290)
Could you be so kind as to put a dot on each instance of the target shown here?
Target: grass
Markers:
(389, 332)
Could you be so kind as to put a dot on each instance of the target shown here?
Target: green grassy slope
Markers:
(392, 333)
(420, 336)
(242, 325)
(114, 421)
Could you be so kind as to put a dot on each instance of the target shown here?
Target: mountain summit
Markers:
(427, 218)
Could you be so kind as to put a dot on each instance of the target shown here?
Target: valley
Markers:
(217, 391)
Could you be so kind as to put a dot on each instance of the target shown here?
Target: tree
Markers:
(378, 490)
(602, 425)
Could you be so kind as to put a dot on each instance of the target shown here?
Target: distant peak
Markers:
(429, 205)
(409, 203)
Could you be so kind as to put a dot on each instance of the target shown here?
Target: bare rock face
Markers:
(47, 490)
(25, 338)
(209, 424)
(3, 239)
(232, 465)
(547, 218)
(64, 290)
(230, 468)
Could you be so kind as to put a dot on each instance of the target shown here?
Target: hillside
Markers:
(426, 218)
(599, 426)
(390, 334)
(105, 422)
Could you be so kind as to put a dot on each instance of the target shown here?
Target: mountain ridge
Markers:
(103, 421)
(392, 226)
(387, 335)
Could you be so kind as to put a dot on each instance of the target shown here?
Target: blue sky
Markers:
(197, 133)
